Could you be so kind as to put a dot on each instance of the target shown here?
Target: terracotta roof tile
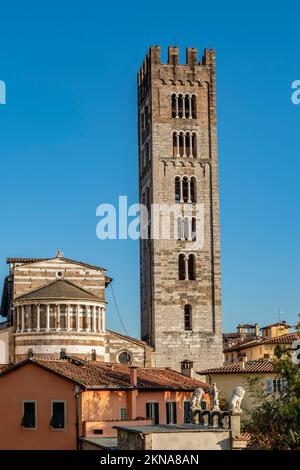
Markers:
(283, 339)
(100, 375)
(250, 367)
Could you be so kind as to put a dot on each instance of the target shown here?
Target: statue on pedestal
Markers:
(236, 400)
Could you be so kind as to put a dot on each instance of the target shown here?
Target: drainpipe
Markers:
(77, 395)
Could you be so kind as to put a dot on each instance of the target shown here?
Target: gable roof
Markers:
(24, 261)
(250, 367)
(288, 338)
(38, 260)
(106, 376)
(59, 289)
(137, 341)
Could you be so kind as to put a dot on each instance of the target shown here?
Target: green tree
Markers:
(275, 422)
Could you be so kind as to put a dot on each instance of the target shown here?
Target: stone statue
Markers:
(215, 397)
(236, 399)
(196, 403)
(59, 254)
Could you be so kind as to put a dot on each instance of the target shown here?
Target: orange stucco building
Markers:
(51, 404)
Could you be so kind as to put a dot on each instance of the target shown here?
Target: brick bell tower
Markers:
(178, 166)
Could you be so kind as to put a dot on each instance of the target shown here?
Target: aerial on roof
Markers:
(250, 367)
(58, 290)
(106, 376)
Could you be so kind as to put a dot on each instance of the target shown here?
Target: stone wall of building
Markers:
(141, 353)
(163, 296)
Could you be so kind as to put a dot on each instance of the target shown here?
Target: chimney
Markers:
(256, 329)
(30, 353)
(133, 376)
(187, 368)
(63, 353)
(243, 360)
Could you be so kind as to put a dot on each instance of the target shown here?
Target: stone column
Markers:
(184, 145)
(48, 317)
(176, 99)
(102, 319)
(58, 317)
(78, 319)
(38, 317)
(99, 319)
(191, 145)
(190, 106)
(67, 317)
(177, 145)
(23, 318)
(181, 190)
(88, 318)
(17, 319)
(183, 106)
(186, 265)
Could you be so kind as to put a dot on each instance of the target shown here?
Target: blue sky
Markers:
(68, 138)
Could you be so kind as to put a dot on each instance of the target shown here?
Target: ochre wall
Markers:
(31, 382)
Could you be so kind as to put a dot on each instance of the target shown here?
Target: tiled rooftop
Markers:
(283, 339)
(250, 367)
(100, 375)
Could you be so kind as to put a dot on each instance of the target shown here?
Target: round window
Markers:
(125, 357)
(60, 274)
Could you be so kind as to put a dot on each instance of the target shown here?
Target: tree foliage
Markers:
(275, 422)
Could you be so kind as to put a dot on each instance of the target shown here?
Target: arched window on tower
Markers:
(174, 105)
(193, 190)
(177, 190)
(181, 267)
(188, 326)
(194, 108)
(192, 267)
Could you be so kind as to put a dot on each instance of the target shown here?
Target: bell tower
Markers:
(178, 168)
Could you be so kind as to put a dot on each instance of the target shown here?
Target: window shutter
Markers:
(269, 386)
(174, 412)
(187, 411)
(156, 413)
(168, 405)
(148, 410)
(28, 420)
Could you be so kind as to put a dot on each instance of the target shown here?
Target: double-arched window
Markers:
(187, 267)
(184, 144)
(184, 106)
(185, 189)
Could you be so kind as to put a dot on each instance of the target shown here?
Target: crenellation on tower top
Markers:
(191, 56)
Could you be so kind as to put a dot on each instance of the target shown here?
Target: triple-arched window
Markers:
(187, 267)
(184, 144)
(186, 228)
(184, 106)
(185, 189)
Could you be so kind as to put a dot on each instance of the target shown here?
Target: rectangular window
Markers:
(58, 419)
(123, 414)
(152, 411)
(171, 412)
(29, 414)
(187, 412)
